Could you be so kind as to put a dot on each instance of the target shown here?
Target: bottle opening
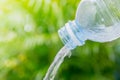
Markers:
(72, 35)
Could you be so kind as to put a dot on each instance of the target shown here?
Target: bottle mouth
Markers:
(72, 35)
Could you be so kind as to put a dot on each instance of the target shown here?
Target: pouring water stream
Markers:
(59, 58)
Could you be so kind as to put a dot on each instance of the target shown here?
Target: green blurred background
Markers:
(29, 43)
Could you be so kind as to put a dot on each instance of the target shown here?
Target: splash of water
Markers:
(56, 63)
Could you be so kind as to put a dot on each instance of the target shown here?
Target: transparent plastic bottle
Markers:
(96, 20)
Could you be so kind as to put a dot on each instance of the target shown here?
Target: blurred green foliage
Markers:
(29, 42)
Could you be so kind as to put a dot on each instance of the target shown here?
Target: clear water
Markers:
(103, 34)
(56, 63)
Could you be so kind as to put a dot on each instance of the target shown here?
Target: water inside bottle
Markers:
(100, 19)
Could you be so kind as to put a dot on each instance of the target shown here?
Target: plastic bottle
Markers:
(96, 20)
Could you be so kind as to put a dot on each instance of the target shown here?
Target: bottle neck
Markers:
(72, 35)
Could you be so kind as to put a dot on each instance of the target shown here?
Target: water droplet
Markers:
(102, 20)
